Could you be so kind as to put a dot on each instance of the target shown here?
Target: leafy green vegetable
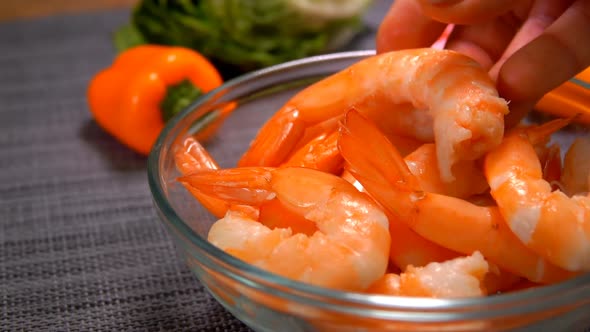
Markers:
(128, 36)
(248, 34)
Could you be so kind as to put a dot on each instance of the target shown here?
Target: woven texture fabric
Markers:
(81, 248)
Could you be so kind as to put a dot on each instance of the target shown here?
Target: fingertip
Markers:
(472, 50)
(519, 81)
(538, 68)
(512, 82)
(528, 75)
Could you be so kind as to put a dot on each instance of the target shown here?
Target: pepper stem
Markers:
(177, 98)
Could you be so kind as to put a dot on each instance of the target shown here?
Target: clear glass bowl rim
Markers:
(528, 301)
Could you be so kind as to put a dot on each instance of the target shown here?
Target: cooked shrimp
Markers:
(348, 252)
(190, 157)
(460, 277)
(448, 221)
(423, 164)
(320, 153)
(467, 114)
(550, 223)
(400, 119)
(575, 177)
(405, 126)
(407, 247)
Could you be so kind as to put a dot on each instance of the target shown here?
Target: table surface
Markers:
(81, 247)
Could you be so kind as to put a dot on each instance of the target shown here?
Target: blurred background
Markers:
(237, 36)
(18, 9)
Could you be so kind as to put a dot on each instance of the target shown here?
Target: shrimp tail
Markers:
(361, 139)
(275, 142)
(374, 160)
(245, 185)
(191, 157)
(540, 134)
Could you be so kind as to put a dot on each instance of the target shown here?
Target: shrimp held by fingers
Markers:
(467, 114)
(459, 277)
(448, 221)
(553, 225)
(348, 252)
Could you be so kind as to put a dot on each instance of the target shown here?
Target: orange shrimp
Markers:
(459, 277)
(576, 167)
(192, 157)
(423, 164)
(550, 223)
(448, 221)
(348, 252)
(467, 114)
(409, 250)
(320, 153)
(407, 247)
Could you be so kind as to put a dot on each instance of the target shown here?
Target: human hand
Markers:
(529, 46)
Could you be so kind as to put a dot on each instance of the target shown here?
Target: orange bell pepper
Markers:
(146, 84)
(569, 99)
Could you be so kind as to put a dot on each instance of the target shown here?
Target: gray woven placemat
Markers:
(81, 248)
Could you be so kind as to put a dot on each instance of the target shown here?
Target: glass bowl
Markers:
(267, 302)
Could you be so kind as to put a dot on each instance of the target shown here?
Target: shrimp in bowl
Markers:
(350, 249)
(549, 222)
(249, 291)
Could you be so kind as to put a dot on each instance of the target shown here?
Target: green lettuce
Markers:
(246, 34)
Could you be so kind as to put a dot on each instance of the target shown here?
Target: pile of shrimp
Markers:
(398, 176)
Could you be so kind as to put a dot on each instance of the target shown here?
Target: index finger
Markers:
(558, 54)
(405, 26)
